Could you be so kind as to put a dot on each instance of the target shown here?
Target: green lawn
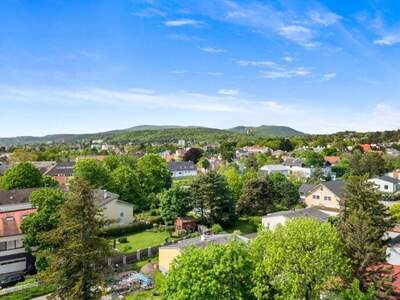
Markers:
(144, 295)
(245, 225)
(143, 240)
(29, 293)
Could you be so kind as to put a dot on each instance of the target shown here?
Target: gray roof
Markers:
(62, 169)
(15, 196)
(102, 197)
(293, 162)
(336, 186)
(274, 168)
(3, 168)
(305, 188)
(204, 240)
(176, 166)
(388, 179)
(312, 212)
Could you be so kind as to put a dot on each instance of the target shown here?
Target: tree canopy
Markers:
(22, 175)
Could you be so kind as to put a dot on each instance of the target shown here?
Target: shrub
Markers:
(126, 229)
(123, 240)
(216, 228)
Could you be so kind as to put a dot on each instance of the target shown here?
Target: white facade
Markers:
(183, 173)
(385, 186)
(272, 169)
(12, 254)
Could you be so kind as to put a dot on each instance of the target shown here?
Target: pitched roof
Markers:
(102, 197)
(311, 212)
(332, 160)
(294, 162)
(305, 188)
(388, 179)
(62, 169)
(335, 186)
(176, 166)
(15, 196)
(204, 240)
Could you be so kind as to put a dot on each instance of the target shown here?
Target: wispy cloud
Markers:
(182, 22)
(212, 50)
(228, 92)
(324, 18)
(284, 73)
(327, 77)
(288, 58)
(149, 13)
(387, 35)
(388, 40)
(256, 63)
(208, 73)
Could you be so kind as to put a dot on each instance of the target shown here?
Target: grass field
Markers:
(143, 240)
(245, 225)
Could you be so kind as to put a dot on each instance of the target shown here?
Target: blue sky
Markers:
(93, 65)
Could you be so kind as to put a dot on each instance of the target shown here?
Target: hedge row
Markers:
(127, 229)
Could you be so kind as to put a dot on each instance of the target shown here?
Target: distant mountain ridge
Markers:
(154, 130)
(267, 130)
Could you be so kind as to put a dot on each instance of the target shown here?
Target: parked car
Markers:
(11, 280)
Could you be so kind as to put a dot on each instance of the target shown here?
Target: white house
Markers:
(274, 219)
(272, 169)
(386, 184)
(113, 208)
(182, 169)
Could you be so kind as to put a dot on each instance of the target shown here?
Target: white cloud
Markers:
(256, 63)
(141, 91)
(388, 40)
(212, 50)
(299, 34)
(275, 74)
(288, 58)
(324, 18)
(328, 76)
(182, 22)
(228, 92)
(149, 13)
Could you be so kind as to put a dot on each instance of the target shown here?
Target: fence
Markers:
(138, 255)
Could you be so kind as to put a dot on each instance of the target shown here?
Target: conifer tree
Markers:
(78, 261)
(362, 224)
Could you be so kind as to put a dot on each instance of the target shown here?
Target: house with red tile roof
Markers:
(14, 207)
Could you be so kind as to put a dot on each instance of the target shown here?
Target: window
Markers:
(10, 245)
(386, 187)
(3, 246)
(121, 214)
(327, 198)
(10, 218)
(19, 244)
(315, 196)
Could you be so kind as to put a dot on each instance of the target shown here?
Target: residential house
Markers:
(325, 195)
(279, 218)
(62, 172)
(3, 168)
(332, 160)
(14, 207)
(182, 169)
(393, 152)
(168, 253)
(386, 184)
(185, 223)
(113, 208)
(366, 148)
(273, 169)
(43, 166)
(304, 189)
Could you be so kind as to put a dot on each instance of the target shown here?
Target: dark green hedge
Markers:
(127, 229)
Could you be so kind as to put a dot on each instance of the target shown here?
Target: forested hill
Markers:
(156, 133)
(268, 131)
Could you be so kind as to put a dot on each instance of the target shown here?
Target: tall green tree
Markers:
(47, 202)
(298, 261)
(174, 203)
(366, 163)
(111, 162)
(78, 261)
(286, 193)
(362, 224)
(154, 174)
(217, 272)
(93, 172)
(21, 176)
(209, 194)
(257, 197)
(227, 150)
(126, 183)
